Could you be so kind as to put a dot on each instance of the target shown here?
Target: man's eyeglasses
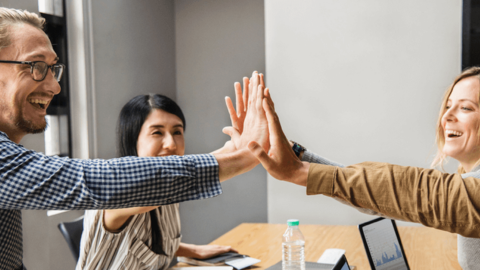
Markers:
(39, 69)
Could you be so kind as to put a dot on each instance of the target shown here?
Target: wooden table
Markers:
(425, 248)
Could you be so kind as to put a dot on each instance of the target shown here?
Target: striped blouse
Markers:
(130, 248)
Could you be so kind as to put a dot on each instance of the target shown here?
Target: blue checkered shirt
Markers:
(31, 180)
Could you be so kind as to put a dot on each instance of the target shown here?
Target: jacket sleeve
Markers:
(435, 199)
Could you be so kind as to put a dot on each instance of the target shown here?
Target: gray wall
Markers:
(134, 53)
(30, 5)
(357, 81)
(217, 43)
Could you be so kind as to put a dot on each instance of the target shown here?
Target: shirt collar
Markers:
(4, 134)
(476, 169)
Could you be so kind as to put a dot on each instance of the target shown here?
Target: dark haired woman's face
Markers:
(161, 135)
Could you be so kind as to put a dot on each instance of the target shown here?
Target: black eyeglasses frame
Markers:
(32, 64)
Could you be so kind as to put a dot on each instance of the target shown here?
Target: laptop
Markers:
(341, 264)
(383, 245)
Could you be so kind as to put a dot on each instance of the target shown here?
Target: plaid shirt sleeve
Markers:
(31, 180)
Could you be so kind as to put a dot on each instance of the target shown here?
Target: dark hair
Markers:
(133, 115)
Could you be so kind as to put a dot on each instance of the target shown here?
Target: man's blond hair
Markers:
(10, 16)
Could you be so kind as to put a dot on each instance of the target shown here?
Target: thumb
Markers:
(232, 132)
(260, 154)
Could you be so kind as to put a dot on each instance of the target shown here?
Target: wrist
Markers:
(301, 174)
(233, 164)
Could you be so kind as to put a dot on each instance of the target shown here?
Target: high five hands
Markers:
(249, 122)
(271, 148)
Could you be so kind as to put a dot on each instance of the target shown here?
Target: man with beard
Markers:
(29, 75)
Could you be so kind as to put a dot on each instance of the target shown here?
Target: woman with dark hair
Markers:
(142, 237)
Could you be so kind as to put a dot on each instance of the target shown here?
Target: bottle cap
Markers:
(293, 222)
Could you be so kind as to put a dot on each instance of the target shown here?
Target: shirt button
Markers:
(169, 200)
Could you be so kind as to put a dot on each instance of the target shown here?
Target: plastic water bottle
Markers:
(293, 247)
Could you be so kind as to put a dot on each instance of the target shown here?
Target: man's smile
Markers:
(39, 103)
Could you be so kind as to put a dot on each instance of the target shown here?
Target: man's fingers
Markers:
(260, 154)
(232, 132)
(274, 126)
(259, 98)
(268, 97)
(253, 93)
(262, 82)
(250, 85)
(239, 99)
(231, 111)
(246, 82)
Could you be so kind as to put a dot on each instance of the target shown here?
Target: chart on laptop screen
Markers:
(383, 246)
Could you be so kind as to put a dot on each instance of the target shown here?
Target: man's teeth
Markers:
(454, 133)
(39, 101)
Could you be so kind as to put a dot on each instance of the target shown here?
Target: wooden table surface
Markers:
(425, 248)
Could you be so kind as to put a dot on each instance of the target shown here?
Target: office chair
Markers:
(72, 232)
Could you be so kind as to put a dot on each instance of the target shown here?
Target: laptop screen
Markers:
(345, 267)
(382, 244)
(342, 264)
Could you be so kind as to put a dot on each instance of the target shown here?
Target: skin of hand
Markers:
(238, 116)
(202, 251)
(228, 147)
(255, 128)
(234, 158)
(280, 162)
(255, 125)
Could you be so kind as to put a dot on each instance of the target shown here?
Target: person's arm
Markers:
(31, 180)
(311, 157)
(202, 251)
(435, 199)
(114, 219)
(427, 196)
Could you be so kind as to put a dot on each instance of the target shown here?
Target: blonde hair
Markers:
(10, 16)
(440, 135)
